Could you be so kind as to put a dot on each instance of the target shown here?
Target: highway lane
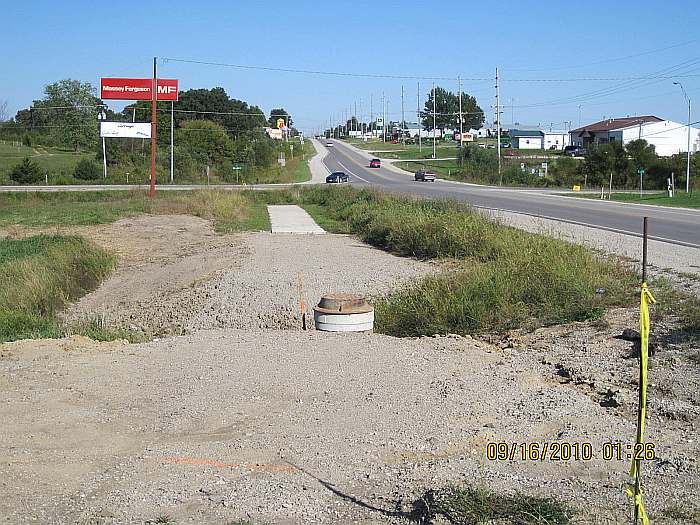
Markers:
(676, 226)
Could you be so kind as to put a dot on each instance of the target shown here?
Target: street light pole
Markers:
(461, 128)
(687, 167)
(434, 123)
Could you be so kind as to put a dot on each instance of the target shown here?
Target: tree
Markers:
(235, 116)
(3, 111)
(204, 137)
(87, 169)
(279, 113)
(447, 110)
(68, 114)
(26, 172)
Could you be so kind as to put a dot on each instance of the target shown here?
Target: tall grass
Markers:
(500, 277)
(39, 275)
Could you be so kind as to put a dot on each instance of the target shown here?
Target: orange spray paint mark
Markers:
(270, 467)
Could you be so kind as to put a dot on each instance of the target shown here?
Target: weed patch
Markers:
(500, 277)
(473, 505)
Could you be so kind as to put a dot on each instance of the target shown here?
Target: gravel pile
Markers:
(263, 291)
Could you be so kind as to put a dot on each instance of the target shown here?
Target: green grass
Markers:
(500, 277)
(470, 505)
(682, 199)
(230, 210)
(53, 159)
(39, 275)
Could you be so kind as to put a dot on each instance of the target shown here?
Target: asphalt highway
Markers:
(676, 226)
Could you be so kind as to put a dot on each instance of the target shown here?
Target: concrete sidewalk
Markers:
(292, 219)
(318, 169)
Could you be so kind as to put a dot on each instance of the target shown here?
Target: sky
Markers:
(551, 55)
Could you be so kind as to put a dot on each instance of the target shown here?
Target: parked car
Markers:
(329, 144)
(424, 176)
(375, 163)
(337, 177)
(505, 145)
(574, 151)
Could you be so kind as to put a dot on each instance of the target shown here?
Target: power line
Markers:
(315, 72)
(608, 60)
(419, 77)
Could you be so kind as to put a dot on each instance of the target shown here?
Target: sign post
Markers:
(154, 97)
(142, 89)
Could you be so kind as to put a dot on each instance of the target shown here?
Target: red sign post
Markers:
(153, 89)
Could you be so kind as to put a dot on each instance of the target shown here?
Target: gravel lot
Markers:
(304, 427)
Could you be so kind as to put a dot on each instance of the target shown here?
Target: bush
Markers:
(87, 170)
(26, 172)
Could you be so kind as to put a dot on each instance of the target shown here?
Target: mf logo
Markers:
(166, 90)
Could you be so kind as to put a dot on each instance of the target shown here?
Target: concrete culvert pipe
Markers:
(344, 313)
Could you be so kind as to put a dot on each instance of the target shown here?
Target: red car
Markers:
(375, 163)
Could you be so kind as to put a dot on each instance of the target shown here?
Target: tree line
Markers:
(623, 162)
(211, 130)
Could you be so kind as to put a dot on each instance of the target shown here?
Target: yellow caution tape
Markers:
(635, 489)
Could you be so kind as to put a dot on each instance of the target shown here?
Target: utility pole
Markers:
(461, 128)
(579, 115)
(356, 119)
(498, 128)
(371, 115)
(172, 141)
(386, 116)
(420, 124)
(383, 122)
(154, 91)
(434, 120)
(403, 118)
(687, 167)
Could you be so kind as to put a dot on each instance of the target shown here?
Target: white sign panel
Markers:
(126, 130)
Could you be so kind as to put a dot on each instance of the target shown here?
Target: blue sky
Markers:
(561, 42)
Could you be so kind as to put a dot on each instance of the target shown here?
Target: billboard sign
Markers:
(137, 89)
(380, 122)
(126, 130)
(280, 123)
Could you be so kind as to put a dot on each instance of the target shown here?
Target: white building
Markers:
(526, 138)
(555, 139)
(668, 137)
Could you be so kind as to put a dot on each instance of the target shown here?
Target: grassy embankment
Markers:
(39, 275)
(681, 200)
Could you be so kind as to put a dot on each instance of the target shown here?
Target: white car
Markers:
(329, 144)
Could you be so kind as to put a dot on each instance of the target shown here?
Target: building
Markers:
(555, 139)
(668, 137)
(526, 138)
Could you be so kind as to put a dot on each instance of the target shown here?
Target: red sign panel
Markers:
(137, 89)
